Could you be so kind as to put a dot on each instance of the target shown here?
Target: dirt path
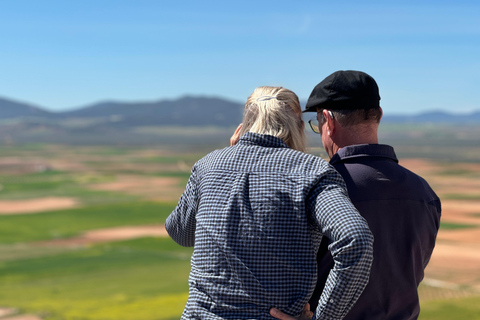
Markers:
(109, 235)
(23, 317)
(12, 314)
(6, 312)
(456, 257)
(29, 206)
(457, 264)
(155, 188)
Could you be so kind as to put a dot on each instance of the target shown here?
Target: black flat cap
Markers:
(344, 90)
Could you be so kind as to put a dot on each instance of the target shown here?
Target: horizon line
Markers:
(208, 96)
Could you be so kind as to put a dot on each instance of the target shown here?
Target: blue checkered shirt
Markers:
(255, 214)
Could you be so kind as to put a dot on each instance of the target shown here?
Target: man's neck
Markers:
(357, 135)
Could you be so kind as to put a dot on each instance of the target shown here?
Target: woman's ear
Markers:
(236, 135)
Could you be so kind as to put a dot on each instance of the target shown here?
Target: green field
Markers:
(137, 279)
(144, 278)
(456, 308)
(69, 223)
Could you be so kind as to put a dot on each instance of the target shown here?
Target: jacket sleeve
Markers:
(351, 245)
(181, 223)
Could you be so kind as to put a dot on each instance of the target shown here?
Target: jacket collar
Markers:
(364, 150)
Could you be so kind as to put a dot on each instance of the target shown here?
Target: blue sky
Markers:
(67, 54)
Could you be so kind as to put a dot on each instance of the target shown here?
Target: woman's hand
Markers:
(305, 315)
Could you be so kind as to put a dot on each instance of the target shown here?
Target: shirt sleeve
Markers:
(181, 223)
(351, 245)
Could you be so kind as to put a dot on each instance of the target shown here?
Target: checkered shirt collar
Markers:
(263, 140)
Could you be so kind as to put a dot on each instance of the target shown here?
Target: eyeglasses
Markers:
(315, 125)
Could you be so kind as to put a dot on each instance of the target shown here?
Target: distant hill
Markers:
(188, 122)
(434, 117)
(12, 109)
(186, 111)
(190, 111)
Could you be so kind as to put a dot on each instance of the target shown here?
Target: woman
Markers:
(255, 213)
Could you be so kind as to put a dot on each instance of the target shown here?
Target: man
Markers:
(402, 210)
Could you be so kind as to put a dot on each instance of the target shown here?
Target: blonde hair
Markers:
(275, 111)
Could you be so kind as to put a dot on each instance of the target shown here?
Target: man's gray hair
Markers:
(355, 117)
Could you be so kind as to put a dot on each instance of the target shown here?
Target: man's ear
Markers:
(330, 122)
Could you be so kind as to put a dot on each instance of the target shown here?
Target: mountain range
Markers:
(185, 111)
(189, 111)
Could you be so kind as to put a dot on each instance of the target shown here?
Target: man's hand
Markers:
(305, 315)
(236, 136)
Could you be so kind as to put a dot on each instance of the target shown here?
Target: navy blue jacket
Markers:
(403, 213)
